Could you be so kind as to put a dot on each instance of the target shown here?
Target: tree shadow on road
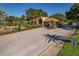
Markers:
(55, 38)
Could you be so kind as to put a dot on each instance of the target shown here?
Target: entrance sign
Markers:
(74, 42)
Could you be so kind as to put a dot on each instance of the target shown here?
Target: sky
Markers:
(18, 9)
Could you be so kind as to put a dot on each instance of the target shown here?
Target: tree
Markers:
(3, 15)
(23, 17)
(34, 13)
(72, 14)
(40, 12)
(59, 16)
(11, 18)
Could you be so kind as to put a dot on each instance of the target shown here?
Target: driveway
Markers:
(29, 42)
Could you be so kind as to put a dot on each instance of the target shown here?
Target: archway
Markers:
(40, 21)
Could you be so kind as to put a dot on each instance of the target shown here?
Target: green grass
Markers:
(69, 50)
(25, 27)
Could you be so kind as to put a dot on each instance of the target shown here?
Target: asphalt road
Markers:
(27, 43)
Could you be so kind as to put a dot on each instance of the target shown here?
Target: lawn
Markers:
(23, 27)
(69, 49)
